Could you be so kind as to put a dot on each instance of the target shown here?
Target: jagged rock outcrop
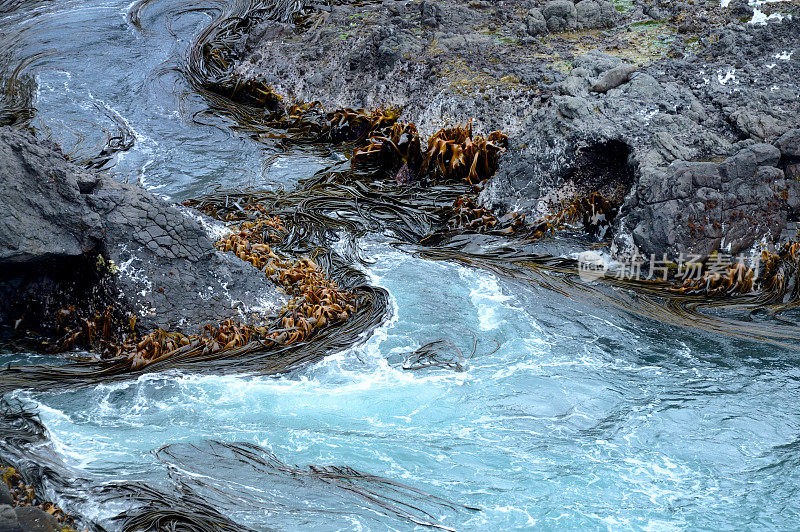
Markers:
(696, 208)
(560, 15)
(700, 159)
(69, 236)
(595, 14)
(672, 84)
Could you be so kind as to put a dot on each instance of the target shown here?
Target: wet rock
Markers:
(114, 245)
(740, 9)
(32, 519)
(44, 218)
(692, 101)
(560, 15)
(535, 23)
(5, 494)
(592, 14)
(8, 519)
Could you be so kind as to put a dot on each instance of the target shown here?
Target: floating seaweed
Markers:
(736, 279)
(343, 483)
(191, 498)
(17, 94)
(781, 277)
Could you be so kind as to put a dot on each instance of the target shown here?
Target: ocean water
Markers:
(566, 416)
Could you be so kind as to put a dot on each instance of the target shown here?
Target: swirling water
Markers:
(584, 417)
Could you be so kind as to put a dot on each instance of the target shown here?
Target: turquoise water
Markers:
(584, 418)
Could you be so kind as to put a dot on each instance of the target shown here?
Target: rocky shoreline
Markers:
(667, 111)
(684, 118)
(638, 100)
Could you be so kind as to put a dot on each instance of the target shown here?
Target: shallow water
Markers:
(584, 417)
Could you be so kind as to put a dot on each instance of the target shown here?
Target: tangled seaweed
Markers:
(452, 154)
(317, 302)
(379, 494)
(191, 498)
(736, 279)
(781, 276)
(594, 213)
(17, 94)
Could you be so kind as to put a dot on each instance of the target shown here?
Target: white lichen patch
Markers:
(728, 77)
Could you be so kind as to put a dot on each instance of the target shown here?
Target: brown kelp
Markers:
(726, 314)
(452, 154)
(593, 213)
(319, 309)
(357, 203)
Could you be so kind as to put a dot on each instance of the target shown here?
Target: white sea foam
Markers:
(487, 297)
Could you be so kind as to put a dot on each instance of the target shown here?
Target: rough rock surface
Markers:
(595, 14)
(561, 15)
(32, 519)
(621, 101)
(70, 235)
(5, 494)
(8, 519)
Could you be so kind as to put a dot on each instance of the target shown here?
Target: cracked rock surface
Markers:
(158, 263)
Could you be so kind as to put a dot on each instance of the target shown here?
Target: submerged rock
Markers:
(73, 237)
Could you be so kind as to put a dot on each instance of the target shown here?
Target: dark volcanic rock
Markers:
(700, 207)
(699, 174)
(32, 519)
(789, 144)
(560, 15)
(45, 218)
(593, 99)
(5, 494)
(535, 23)
(8, 519)
(595, 14)
(72, 237)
